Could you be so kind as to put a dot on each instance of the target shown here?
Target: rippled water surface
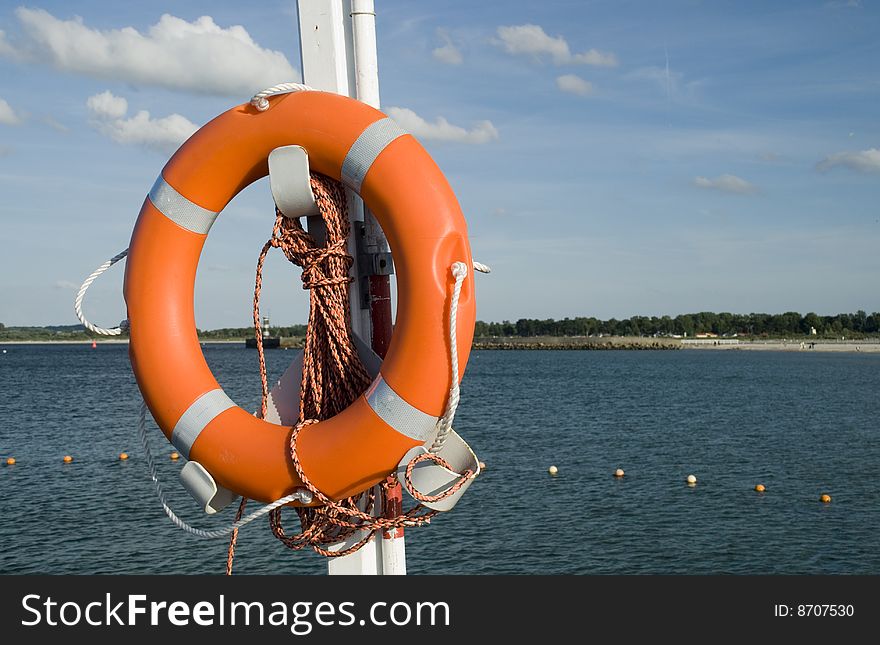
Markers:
(800, 423)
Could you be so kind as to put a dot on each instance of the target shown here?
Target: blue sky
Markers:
(613, 158)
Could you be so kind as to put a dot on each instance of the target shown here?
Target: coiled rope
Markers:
(333, 377)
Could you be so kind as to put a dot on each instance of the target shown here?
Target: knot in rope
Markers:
(323, 266)
(314, 265)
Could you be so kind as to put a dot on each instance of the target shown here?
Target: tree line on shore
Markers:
(853, 325)
(78, 332)
(790, 323)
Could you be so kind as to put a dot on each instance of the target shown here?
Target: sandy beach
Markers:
(785, 346)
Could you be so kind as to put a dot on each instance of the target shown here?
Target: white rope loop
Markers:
(260, 100)
(482, 268)
(299, 496)
(459, 272)
(77, 303)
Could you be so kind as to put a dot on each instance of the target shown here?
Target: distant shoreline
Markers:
(701, 344)
(868, 346)
(618, 343)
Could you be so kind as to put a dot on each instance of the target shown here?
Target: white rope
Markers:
(299, 496)
(260, 99)
(482, 268)
(459, 271)
(77, 303)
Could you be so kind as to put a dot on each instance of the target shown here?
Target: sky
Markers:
(613, 158)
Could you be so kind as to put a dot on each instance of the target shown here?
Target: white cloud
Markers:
(574, 84)
(163, 134)
(197, 56)
(441, 129)
(447, 53)
(532, 39)
(861, 161)
(596, 58)
(727, 184)
(66, 284)
(107, 106)
(8, 116)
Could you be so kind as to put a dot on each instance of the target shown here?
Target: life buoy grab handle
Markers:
(418, 212)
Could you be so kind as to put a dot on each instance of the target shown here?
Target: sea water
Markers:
(802, 424)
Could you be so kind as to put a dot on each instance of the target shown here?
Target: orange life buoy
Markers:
(414, 204)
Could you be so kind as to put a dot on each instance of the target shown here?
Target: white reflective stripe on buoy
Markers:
(197, 416)
(179, 209)
(366, 148)
(397, 413)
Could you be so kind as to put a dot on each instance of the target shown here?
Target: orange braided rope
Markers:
(230, 551)
(333, 376)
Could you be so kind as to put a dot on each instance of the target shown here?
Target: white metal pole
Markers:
(327, 55)
(392, 546)
(366, 63)
(366, 81)
(328, 64)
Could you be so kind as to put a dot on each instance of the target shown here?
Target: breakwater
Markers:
(576, 343)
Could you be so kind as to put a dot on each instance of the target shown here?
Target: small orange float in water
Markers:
(94, 344)
(123, 456)
(175, 456)
(68, 459)
(10, 461)
(825, 499)
(619, 472)
(760, 488)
